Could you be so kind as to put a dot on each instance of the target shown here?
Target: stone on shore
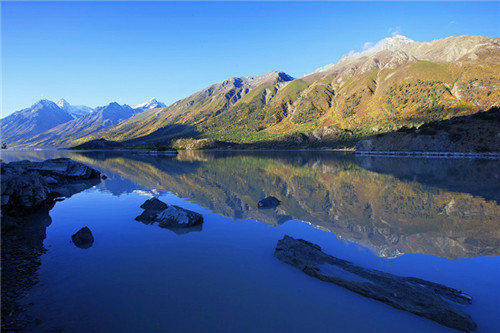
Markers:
(421, 297)
(28, 186)
(83, 238)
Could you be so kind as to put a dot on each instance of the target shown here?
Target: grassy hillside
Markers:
(363, 94)
(375, 101)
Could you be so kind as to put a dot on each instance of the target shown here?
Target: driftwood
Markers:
(423, 298)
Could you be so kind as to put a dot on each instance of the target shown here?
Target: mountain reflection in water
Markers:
(444, 207)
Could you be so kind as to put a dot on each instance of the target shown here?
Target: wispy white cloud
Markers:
(393, 31)
(368, 45)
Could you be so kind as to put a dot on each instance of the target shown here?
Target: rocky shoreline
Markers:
(29, 191)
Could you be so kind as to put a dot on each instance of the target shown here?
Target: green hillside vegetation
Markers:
(361, 95)
(377, 101)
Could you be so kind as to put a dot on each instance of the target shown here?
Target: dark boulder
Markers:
(151, 208)
(154, 204)
(172, 217)
(269, 202)
(83, 238)
(178, 217)
(147, 216)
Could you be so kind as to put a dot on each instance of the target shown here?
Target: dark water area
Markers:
(435, 219)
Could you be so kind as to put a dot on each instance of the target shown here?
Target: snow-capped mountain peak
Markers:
(76, 111)
(62, 103)
(151, 104)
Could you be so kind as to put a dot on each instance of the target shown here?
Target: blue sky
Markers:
(93, 53)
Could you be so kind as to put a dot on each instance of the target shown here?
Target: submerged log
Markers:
(423, 298)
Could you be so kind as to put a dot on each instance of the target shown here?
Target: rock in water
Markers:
(83, 238)
(175, 217)
(172, 217)
(154, 204)
(151, 208)
(414, 295)
(269, 202)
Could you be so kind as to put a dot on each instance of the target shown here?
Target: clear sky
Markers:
(93, 53)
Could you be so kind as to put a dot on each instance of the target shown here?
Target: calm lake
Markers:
(435, 219)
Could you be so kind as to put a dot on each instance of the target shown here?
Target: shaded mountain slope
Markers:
(31, 121)
(221, 104)
(399, 82)
(67, 133)
(477, 133)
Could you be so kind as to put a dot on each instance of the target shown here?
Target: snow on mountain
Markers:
(392, 44)
(151, 104)
(40, 117)
(76, 111)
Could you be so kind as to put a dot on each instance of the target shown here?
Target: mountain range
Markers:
(50, 124)
(397, 82)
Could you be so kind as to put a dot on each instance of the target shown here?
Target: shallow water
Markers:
(434, 219)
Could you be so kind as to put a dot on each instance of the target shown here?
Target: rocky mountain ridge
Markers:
(40, 117)
(396, 83)
(49, 124)
(101, 117)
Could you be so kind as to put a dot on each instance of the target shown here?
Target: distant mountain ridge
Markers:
(40, 117)
(394, 83)
(64, 134)
(50, 124)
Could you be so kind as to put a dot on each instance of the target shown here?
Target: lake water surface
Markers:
(436, 219)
